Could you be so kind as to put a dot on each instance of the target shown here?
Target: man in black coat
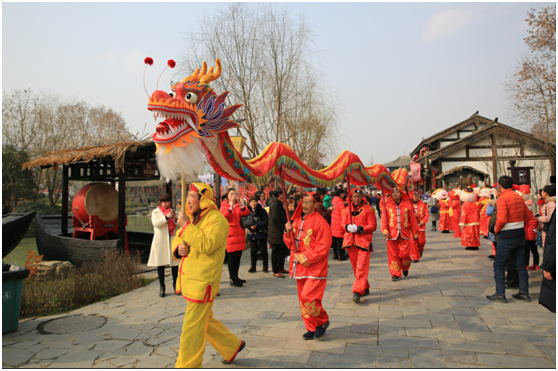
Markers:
(276, 227)
(547, 297)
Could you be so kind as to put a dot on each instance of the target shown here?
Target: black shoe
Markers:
(252, 269)
(335, 257)
(445, 231)
(242, 345)
(308, 336)
(366, 292)
(421, 255)
(406, 273)
(356, 297)
(319, 334)
(395, 278)
(162, 291)
(236, 282)
(497, 298)
(472, 248)
(485, 237)
(414, 261)
(343, 258)
(491, 257)
(265, 270)
(243, 281)
(522, 297)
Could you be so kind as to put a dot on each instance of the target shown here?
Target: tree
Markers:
(269, 70)
(531, 88)
(41, 123)
(17, 183)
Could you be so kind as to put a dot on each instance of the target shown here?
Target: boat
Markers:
(81, 251)
(14, 228)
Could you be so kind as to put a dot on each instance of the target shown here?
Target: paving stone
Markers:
(326, 360)
(522, 330)
(254, 330)
(123, 361)
(389, 362)
(541, 340)
(365, 329)
(426, 358)
(278, 355)
(87, 338)
(405, 323)
(166, 351)
(37, 348)
(111, 344)
(435, 334)
(269, 315)
(51, 353)
(327, 345)
(139, 350)
(377, 351)
(124, 334)
(274, 323)
(494, 337)
(22, 345)
(472, 346)
(83, 359)
(409, 342)
(445, 325)
(470, 323)
(522, 349)
(458, 356)
(513, 361)
(15, 357)
(155, 361)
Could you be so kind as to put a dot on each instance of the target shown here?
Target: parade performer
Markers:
(530, 230)
(359, 222)
(399, 226)
(455, 205)
(337, 207)
(422, 215)
(469, 220)
(445, 210)
(200, 246)
(309, 244)
(482, 204)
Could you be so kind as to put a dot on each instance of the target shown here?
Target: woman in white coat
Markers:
(164, 226)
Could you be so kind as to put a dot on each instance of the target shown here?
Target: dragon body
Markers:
(195, 124)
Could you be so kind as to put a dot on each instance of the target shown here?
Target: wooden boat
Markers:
(79, 251)
(14, 228)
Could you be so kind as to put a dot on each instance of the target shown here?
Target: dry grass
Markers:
(84, 286)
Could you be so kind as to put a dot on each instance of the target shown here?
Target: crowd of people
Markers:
(307, 225)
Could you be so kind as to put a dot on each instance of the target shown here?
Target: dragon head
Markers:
(192, 110)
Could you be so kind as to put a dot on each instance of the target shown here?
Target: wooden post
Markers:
(122, 210)
(494, 160)
(64, 200)
(349, 201)
(285, 201)
(218, 190)
(184, 195)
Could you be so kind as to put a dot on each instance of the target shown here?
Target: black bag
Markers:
(247, 221)
(434, 210)
(545, 227)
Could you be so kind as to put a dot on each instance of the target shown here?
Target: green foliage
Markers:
(16, 183)
(39, 207)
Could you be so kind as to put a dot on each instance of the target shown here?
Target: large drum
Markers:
(99, 199)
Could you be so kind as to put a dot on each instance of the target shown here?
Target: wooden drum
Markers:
(99, 199)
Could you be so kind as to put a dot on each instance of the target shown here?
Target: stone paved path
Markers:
(436, 317)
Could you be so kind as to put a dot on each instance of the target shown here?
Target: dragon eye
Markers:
(172, 94)
(191, 97)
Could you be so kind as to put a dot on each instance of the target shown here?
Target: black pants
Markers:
(234, 264)
(512, 279)
(161, 275)
(261, 246)
(277, 258)
(531, 246)
(338, 250)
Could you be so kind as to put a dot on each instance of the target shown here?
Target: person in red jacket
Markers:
(469, 220)
(309, 239)
(445, 210)
(233, 209)
(530, 230)
(337, 231)
(360, 224)
(455, 205)
(481, 205)
(399, 226)
(422, 215)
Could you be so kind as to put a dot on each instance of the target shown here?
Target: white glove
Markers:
(352, 228)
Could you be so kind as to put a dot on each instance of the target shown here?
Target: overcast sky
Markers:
(402, 70)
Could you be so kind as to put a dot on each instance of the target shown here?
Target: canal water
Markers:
(136, 223)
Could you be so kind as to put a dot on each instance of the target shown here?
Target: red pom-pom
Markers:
(148, 61)
(171, 63)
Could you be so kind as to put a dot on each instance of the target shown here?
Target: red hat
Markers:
(524, 189)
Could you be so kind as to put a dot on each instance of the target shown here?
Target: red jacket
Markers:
(422, 214)
(313, 241)
(529, 226)
(336, 219)
(469, 215)
(512, 212)
(236, 241)
(399, 220)
(362, 217)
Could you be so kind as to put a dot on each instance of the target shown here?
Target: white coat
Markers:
(160, 253)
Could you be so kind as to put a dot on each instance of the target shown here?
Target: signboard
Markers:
(520, 175)
(148, 169)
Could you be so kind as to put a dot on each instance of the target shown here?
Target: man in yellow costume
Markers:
(200, 246)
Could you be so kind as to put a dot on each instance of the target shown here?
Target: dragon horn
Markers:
(212, 76)
(204, 69)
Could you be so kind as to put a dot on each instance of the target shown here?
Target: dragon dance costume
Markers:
(469, 220)
(359, 244)
(311, 244)
(456, 212)
(400, 222)
(199, 278)
(422, 215)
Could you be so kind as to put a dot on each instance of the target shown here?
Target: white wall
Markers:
(459, 153)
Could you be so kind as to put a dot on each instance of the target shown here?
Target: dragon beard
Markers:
(182, 162)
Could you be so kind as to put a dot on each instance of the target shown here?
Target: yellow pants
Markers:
(198, 328)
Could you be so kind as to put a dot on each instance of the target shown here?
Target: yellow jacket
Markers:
(199, 273)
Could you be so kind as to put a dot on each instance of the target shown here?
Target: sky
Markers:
(403, 71)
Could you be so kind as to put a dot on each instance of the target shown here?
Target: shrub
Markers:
(39, 207)
(85, 285)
